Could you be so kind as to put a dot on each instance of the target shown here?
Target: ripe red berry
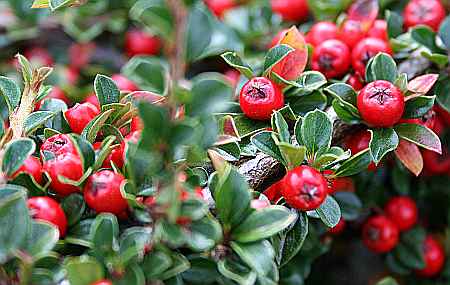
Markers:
(358, 142)
(332, 58)
(380, 104)
(33, 167)
(365, 50)
(436, 164)
(351, 32)
(92, 98)
(138, 42)
(380, 234)
(39, 56)
(103, 282)
(428, 120)
(444, 115)
(434, 258)
(116, 156)
(304, 188)
(123, 83)
(220, 7)
(339, 228)
(102, 192)
(320, 32)
(80, 54)
(259, 97)
(47, 209)
(379, 30)
(356, 82)
(402, 211)
(58, 144)
(424, 12)
(291, 10)
(66, 165)
(80, 115)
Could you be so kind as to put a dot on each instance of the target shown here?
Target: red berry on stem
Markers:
(424, 12)
(123, 83)
(365, 50)
(380, 234)
(92, 98)
(356, 82)
(47, 209)
(291, 10)
(351, 32)
(220, 7)
(58, 144)
(402, 211)
(304, 188)
(102, 192)
(379, 30)
(332, 58)
(138, 42)
(380, 104)
(259, 97)
(434, 256)
(31, 166)
(80, 115)
(358, 142)
(66, 165)
(320, 32)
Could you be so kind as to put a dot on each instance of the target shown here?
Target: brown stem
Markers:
(18, 117)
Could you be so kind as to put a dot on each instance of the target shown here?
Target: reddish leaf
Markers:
(364, 11)
(292, 66)
(229, 127)
(409, 154)
(422, 84)
(148, 96)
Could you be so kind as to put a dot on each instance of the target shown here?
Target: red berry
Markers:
(338, 184)
(444, 115)
(124, 84)
(47, 209)
(356, 82)
(339, 228)
(434, 256)
(103, 282)
(80, 115)
(58, 144)
(66, 165)
(304, 188)
(138, 42)
(365, 50)
(332, 58)
(424, 12)
(92, 98)
(351, 32)
(80, 54)
(260, 97)
(220, 7)
(102, 192)
(379, 30)
(56, 93)
(436, 164)
(402, 211)
(116, 156)
(291, 10)
(380, 104)
(320, 32)
(273, 193)
(358, 142)
(428, 120)
(39, 56)
(31, 166)
(380, 234)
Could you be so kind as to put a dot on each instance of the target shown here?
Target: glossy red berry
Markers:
(92, 98)
(39, 56)
(31, 166)
(138, 42)
(444, 115)
(402, 211)
(304, 188)
(259, 97)
(102, 282)
(380, 234)
(291, 10)
(80, 115)
(332, 58)
(365, 50)
(436, 164)
(47, 209)
(358, 142)
(434, 256)
(356, 82)
(351, 33)
(80, 54)
(102, 192)
(320, 32)
(380, 104)
(379, 30)
(58, 144)
(220, 7)
(123, 83)
(424, 12)
(66, 165)
(339, 228)
(116, 156)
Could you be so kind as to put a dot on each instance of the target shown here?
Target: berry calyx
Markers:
(424, 12)
(138, 42)
(379, 30)
(259, 97)
(320, 32)
(434, 258)
(47, 209)
(358, 142)
(332, 58)
(31, 166)
(80, 115)
(365, 50)
(66, 165)
(402, 211)
(380, 104)
(58, 144)
(123, 83)
(380, 234)
(102, 192)
(304, 188)
(291, 10)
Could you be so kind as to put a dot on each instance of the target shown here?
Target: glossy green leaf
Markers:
(275, 55)
(198, 33)
(42, 238)
(104, 232)
(155, 263)
(418, 106)
(265, 143)
(444, 32)
(443, 93)
(329, 212)
(350, 204)
(280, 126)
(394, 24)
(387, 281)
(420, 135)
(11, 92)
(150, 73)
(233, 59)
(354, 165)
(257, 255)
(83, 270)
(236, 272)
(91, 130)
(155, 15)
(381, 67)
(383, 140)
(16, 152)
(291, 240)
(74, 207)
(106, 90)
(316, 131)
(292, 155)
(342, 91)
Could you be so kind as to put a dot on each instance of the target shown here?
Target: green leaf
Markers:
(104, 232)
(133, 242)
(236, 272)
(307, 83)
(292, 155)
(291, 240)
(265, 143)
(263, 223)
(275, 55)
(443, 93)
(436, 58)
(85, 150)
(381, 67)
(444, 32)
(154, 15)
(73, 206)
(420, 135)
(247, 127)
(383, 140)
(133, 275)
(36, 120)
(387, 281)
(203, 271)
(350, 204)
(91, 130)
(150, 73)
(199, 31)
(356, 164)
(42, 238)
(394, 24)
(205, 234)
(25, 68)
(342, 91)
(410, 249)
(316, 131)
(106, 90)
(155, 263)
(280, 126)
(11, 92)
(346, 111)
(236, 62)
(180, 264)
(83, 270)
(16, 152)
(257, 255)
(426, 36)
(329, 212)
(418, 106)
(307, 103)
